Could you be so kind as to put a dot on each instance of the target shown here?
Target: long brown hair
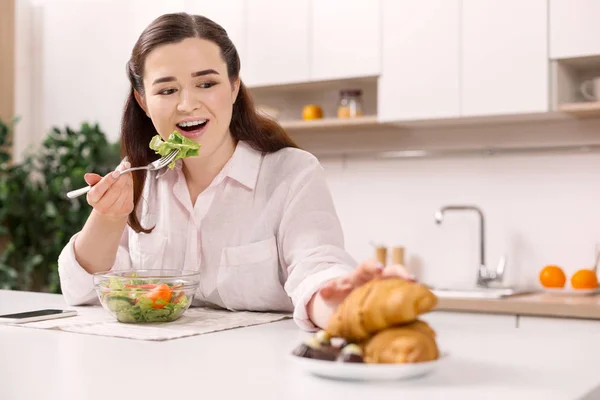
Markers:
(262, 133)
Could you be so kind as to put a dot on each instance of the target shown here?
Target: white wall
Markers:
(25, 131)
(71, 71)
(539, 209)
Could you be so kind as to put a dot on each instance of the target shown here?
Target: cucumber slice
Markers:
(119, 303)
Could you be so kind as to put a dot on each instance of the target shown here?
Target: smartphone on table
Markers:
(35, 315)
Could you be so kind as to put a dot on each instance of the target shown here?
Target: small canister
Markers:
(350, 104)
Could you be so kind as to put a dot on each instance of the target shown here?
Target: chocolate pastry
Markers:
(377, 305)
(311, 348)
(351, 353)
(404, 344)
(342, 343)
(323, 338)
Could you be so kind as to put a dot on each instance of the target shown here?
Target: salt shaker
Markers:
(381, 254)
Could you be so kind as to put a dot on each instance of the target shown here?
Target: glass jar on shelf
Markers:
(350, 103)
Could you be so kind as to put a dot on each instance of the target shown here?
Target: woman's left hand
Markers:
(333, 292)
(336, 290)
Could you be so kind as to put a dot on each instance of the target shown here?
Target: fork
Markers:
(153, 166)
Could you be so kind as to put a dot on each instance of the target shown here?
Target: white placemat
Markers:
(195, 321)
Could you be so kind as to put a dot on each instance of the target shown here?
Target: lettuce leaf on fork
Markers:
(186, 147)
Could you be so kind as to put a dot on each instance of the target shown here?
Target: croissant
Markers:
(405, 344)
(377, 305)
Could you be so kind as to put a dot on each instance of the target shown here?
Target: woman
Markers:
(252, 212)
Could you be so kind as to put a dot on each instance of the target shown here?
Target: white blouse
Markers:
(264, 235)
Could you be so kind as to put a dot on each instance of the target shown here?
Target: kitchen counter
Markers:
(251, 362)
(538, 304)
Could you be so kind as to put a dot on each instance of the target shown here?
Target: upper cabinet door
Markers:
(91, 86)
(420, 71)
(227, 13)
(143, 12)
(345, 39)
(277, 40)
(504, 57)
(574, 28)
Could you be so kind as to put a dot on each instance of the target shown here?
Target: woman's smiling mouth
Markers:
(192, 128)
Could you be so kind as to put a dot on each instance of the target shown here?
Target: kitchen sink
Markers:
(479, 292)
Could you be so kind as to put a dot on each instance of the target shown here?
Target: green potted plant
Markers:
(36, 218)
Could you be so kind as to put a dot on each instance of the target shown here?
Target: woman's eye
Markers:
(206, 85)
(167, 91)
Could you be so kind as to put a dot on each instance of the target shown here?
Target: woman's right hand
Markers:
(111, 195)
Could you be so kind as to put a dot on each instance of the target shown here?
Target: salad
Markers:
(186, 147)
(140, 301)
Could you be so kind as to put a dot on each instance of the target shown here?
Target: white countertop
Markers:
(484, 364)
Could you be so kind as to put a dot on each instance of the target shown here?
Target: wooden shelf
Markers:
(371, 124)
(366, 122)
(581, 63)
(323, 85)
(581, 109)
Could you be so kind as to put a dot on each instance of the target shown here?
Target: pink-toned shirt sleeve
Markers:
(311, 240)
(76, 283)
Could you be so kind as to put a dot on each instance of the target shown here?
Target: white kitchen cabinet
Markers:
(504, 57)
(143, 12)
(83, 76)
(76, 50)
(345, 39)
(277, 34)
(566, 325)
(574, 28)
(420, 68)
(440, 320)
(230, 14)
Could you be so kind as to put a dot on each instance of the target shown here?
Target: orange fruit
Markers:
(312, 111)
(552, 276)
(584, 279)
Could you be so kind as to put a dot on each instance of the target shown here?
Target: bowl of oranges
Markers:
(554, 280)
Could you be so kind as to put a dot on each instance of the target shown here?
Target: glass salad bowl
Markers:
(138, 296)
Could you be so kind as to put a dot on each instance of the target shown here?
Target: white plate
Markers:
(359, 371)
(570, 291)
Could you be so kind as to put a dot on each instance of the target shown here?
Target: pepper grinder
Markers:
(398, 255)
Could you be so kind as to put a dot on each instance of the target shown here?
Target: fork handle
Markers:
(76, 193)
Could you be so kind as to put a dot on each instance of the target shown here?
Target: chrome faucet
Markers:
(484, 275)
